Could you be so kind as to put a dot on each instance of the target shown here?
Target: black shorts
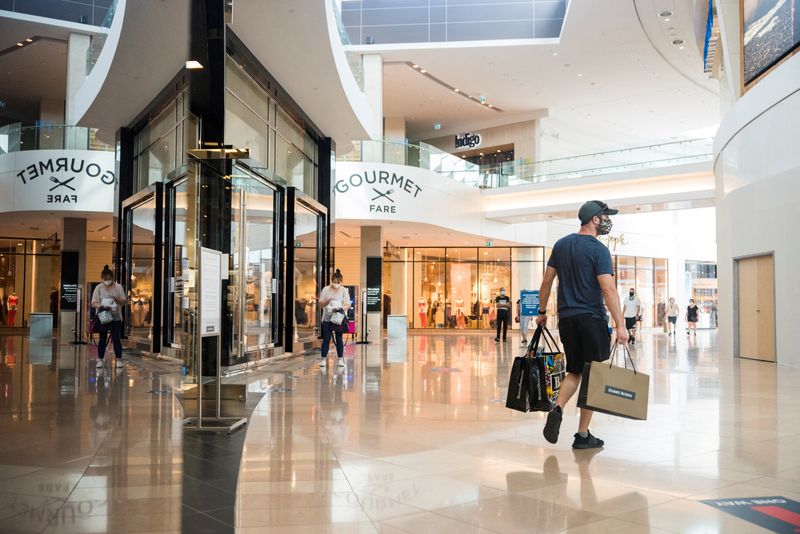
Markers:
(672, 319)
(585, 339)
(630, 323)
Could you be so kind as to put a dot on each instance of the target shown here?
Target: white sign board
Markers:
(57, 180)
(210, 292)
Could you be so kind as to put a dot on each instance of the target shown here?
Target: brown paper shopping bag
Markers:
(615, 390)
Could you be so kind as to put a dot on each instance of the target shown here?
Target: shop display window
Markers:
(29, 279)
(142, 269)
(306, 289)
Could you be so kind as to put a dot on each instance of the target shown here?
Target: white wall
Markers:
(757, 167)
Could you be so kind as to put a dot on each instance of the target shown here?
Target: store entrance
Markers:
(143, 216)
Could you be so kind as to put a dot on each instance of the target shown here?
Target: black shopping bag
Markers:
(551, 366)
(524, 372)
(615, 390)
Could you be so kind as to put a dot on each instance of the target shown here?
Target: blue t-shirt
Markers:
(579, 259)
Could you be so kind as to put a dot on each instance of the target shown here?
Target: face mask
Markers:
(336, 285)
(604, 228)
(631, 294)
(502, 292)
(108, 282)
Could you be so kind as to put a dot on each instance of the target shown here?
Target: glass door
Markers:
(254, 281)
(305, 256)
(181, 199)
(143, 276)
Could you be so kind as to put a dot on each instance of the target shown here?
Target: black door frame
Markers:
(293, 197)
(154, 191)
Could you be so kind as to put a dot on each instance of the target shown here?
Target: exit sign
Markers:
(490, 243)
(437, 126)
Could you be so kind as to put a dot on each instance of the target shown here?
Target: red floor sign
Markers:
(777, 514)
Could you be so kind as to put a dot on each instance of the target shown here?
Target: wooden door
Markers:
(756, 306)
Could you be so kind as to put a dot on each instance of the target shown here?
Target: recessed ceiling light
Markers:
(580, 75)
(29, 40)
(555, 53)
(423, 71)
(666, 20)
(665, 14)
(457, 90)
(677, 42)
(19, 44)
(415, 66)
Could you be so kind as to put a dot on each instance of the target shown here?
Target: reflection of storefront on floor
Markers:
(456, 287)
(701, 285)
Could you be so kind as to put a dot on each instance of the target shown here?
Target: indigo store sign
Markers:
(58, 180)
(468, 140)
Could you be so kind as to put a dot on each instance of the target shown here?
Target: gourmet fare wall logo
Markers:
(67, 177)
(382, 187)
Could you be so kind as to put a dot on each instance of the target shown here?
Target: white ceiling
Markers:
(610, 81)
(407, 234)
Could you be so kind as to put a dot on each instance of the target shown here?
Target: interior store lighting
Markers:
(193, 65)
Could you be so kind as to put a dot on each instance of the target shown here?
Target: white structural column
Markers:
(77, 52)
(394, 131)
(371, 246)
(373, 90)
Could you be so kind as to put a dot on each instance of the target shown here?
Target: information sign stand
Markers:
(209, 292)
(363, 317)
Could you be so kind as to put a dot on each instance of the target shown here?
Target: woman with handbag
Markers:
(334, 300)
(108, 299)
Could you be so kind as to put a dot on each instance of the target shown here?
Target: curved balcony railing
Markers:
(16, 138)
(658, 155)
(353, 58)
(98, 41)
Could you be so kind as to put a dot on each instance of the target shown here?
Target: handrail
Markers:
(18, 138)
(625, 159)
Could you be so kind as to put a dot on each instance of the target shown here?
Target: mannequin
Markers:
(13, 300)
(422, 306)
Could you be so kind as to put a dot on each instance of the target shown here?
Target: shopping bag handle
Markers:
(625, 358)
(549, 340)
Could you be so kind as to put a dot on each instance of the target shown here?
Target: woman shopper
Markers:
(334, 300)
(107, 300)
(672, 315)
(691, 318)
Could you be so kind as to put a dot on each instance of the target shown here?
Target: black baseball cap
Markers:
(593, 208)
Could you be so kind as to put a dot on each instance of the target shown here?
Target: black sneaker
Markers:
(589, 442)
(497, 340)
(553, 425)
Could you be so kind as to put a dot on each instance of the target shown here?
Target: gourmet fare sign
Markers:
(58, 180)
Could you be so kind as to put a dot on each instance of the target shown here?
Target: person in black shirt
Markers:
(502, 304)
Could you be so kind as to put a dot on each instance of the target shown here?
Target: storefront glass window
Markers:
(701, 285)
(29, 278)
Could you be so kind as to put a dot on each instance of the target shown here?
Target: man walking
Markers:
(503, 306)
(631, 309)
(585, 279)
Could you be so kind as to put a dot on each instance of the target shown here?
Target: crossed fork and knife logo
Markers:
(384, 195)
(60, 183)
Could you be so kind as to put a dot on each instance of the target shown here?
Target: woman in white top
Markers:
(333, 298)
(107, 300)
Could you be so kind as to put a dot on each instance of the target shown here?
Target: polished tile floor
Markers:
(407, 437)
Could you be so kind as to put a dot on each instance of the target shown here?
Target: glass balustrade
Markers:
(16, 138)
(422, 155)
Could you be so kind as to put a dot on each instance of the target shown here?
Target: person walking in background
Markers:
(672, 315)
(691, 318)
(713, 307)
(585, 279)
(333, 298)
(108, 299)
(524, 323)
(632, 309)
(502, 304)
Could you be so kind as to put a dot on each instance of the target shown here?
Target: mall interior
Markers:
(225, 157)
